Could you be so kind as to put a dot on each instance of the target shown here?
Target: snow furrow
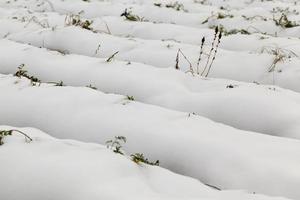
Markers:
(49, 168)
(190, 145)
(244, 106)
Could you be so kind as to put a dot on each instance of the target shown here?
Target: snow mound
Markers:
(52, 169)
(188, 144)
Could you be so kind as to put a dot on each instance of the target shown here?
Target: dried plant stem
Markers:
(112, 56)
(98, 49)
(211, 50)
(214, 53)
(35, 20)
(108, 30)
(190, 64)
(177, 61)
(210, 57)
(200, 55)
(22, 133)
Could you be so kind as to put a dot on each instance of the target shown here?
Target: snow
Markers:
(237, 129)
(247, 106)
(49, 168)
(158, 48)
(187, 144)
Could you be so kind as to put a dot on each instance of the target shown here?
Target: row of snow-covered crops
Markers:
(225, 133)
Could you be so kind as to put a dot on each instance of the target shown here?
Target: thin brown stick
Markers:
(214, 187)
(25, 135)
(200, 55)
(211, 50)
(177, 61)
(97, 50)
(190, 64)
(108, 30)
(112, 56)
(214, 53)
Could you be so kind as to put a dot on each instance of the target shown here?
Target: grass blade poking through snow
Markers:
(112, 56)
(4, 133)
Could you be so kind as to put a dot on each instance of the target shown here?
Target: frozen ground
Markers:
(96, 74)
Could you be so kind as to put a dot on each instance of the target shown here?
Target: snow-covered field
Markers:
(222, 112)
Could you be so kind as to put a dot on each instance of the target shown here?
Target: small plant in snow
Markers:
(176, 6)
(219, 15)
(92, 87)
(4, 133)
(75, 20)
(284, 22)
(131, 17)
(235, 31)
(140, 158)
(116, 144)
(21, 72)
(230, 86)
(286, 10)
(130, 98)
(280, 55)
(190, 114)
(60, 83)
(203, 2)
(259, 17)
(210, 59)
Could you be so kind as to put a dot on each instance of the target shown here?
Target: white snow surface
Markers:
(52, 169)
(237, 129)
(191, 145)
(247, 106)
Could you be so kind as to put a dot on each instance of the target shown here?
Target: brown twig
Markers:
(200, 55)
(214, 53)
(190, 64)
(112, 56)
(211, 50)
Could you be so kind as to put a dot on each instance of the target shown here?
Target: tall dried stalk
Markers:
(211, 49)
